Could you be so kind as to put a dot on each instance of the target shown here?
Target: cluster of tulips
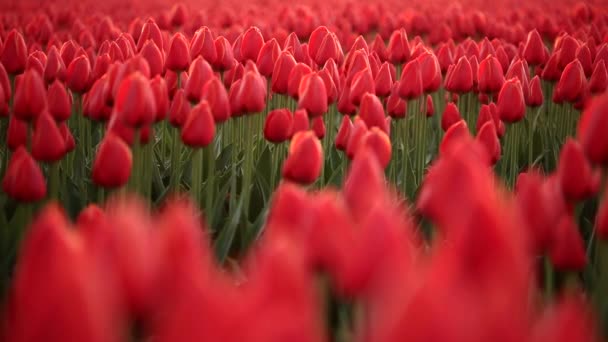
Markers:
(321, 172)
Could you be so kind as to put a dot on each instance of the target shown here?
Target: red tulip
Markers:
(372, 112)
(295, 77)
(395, 105)
(384, 81)
(551, 71)
(356, 136)
(330, 86)
(215, 94)
(135, 104)
(278, 125)
(251, 44)
(590, 133)
(451, 115)
(488, 138)
(566, 52)
(329, 49)
(68, 139)
(313, 95)
(35, 64)
(199, 73)
(445, 58)
(599, 79)
(490, 75)
(267, 57)
(534, 49)
(362, 83)
(305, 159)
(225, 58)
(280, 75)
(17, 133)
(300, 121)
(30, 97)
(23, 179)
(460, 80)
(379, 142)
(575, 173)
(572, 83)
(252, 93)
(316, 39)
(398, 47)
(453, 136)
(567, 249)
(178, 56)
(345, 105)
(152, 54)
(343, 133)
(96, 105)
(511, 104)
(5, 83)
(199, 129)
(430, 72)
(14, 53)
(47, 142)
(410, 85)
(583, 55)
(202, 44)
(150, 31)
(59, 102)
(379, 48)
(430, 108)
(318, 127)
(112, 165)
(78, 75)
(161, 95)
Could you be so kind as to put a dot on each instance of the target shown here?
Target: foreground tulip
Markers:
(489, 139)
(371, 111)
(575, 173)
(215, 94)
(252, 93)
(305, 159)
(278, 126)
(511, 103)
(590, 133)
(23, 179)
(112, 165)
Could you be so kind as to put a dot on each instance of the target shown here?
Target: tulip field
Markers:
(309, 171)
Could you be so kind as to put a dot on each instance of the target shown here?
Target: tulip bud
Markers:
(329, 49)
(313, 95)
(572, 82)
(23, 179)
(599, 79)
(280, 74)
(343, 133)
(202, 44)
(357, 134)
(252, 93)
(135, 104)
(451, 115)
(161, 95)
(551, 72)
(199, 73)
(575, 172)
(47, 142)
(112, 165)
(410, 85)
(278, 125)
(384, 81)
(345, 105)
(300, 121)
(395, 105)
(379, 48)
(199, 128)
(178, 56)
(215, 94)
(372, 112)
(14, 53)
(566, 52)
(362, 83)
(305, 159)
(68, 139)
(17, 133)
(59, 102)
(30, 97)
(511, 104)
(225, 58)
(488, 138)
(378, 141)
(536, 98)
(316, 39)
(567, 249)
(318, 127)
(490, 75)
(534, 49)
(453, 136)
(460, 80)
(398, 47)
(152, 54)
(251, 44)
(269, 53)
(295, 77)
(78, 75)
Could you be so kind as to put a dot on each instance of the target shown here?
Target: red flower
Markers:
(362, 83)
(305, 159)
(54, 69)
(217, 97)
(566, 49)
(199, 128)
(251, 44)
(343, 133)
(300, 121)
(225, 58)
(5, 83)
(371, 111)
(329, 49)
(161, 95)
(575, 173)
(430, 71)
(202, 44)
(318, 126)
(112, 165)
(59, 102)
(395, 105)
(590, 132)
(68, 139)
(295, 77)
(398, 47)
(316, 39)
(489, 139)
(536, 98)
(379, 48)
(178, 56)
(534, 49)
(313, 95)
(135, 104)
(96, 105)
(451, 115)
(357, 134)
(583, 55)
(150, 31)
(551, 71)
(511, 104)
(430, 108)
(330, 86)
(78, 75)
(199, 73)
(252, 93)
(47, 142)
(599, 79)
(30, 97)
(572, 83)
(490, 75)
(379, 142)
(460, 79)
(280, 74)
(23, 179)
(267, 57)
(410, 85)
(567, 249)
(14, 53)
(454, 135)
(278, 125)
(384, 80)
(17, 133)
(152, 54)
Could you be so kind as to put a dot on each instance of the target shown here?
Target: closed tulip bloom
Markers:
(384, 81)
(179, 110)
(199, 73)
(430, 72)
(78, 75)
(47, 142)
(135, 104)
(329, 49)
(267, 57)
(316, 39)
(14, 53)
(313, 95)
(318, 126)
(225, 57)
(300, 121)
(379, 48)
(112, 165)
(357, 134)
(551, 72)
(410, 85)
(199, 129)
(35, 64)
(161, 96)
(23, 179)
(17, 133)
(152, 54)
(511, 104)
(490, 75)
(59, 102)
(343, 133)
(330, 86)
(460, 80)
(534, 49)
(583, 55)
(536, 97)
(178, 56)
(372, 112)
(215, 94)
(451, 115)
(591, 134)
(278, 125)
(484, 116)
(54, 69)
(202, 44)
(295, 77)
(455, 135)
(575, 173)
(488, 138)
(599, 79)
(601, 220)
(5, 83)
(280, 74)
(572, 83)
(305, 159)
(252, 93)
(379, 143)
(4, 111)
(96, 107)
(345, 106)
(567, 249)
(362, 83)
(251, 44)
(150, 31)
(445, 58)
(398, 47)
(30, 97)
(395, 105)
(567, 51)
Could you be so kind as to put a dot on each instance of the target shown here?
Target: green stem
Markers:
(210, 187)
(54, 181)
(549, 281)
(175, 161)
(197, 175)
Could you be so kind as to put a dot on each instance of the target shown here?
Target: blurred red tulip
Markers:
(575, 173)
(305, 160)
(251, 44)
(384, 81)
(430, 108)
(313, 95)
(355, 139)
(511, 104)
(225, 58)
(113, 162)
(23, 179)
(30, 97)
(451, 115)
(296, 75)
(78, 74)
(379, 142)
(489, 139)
(267, 57)
(572, 83)
(490, 75)
(278, 126)
(199, 73)
(161, 95)
(536, 97)
(135, 104)
(567, 249)
(318, 127)
(362, 83)
(47, 142)
(178, 55)
(14, 53)
(199, 129)
(152, 54)
(202, 44)
(343, 135)
(372, 112)
(59, 102)
(398, 47)
(460, 79)
(280, 75)
(534, 49)
(410, 85)
(599, 79)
